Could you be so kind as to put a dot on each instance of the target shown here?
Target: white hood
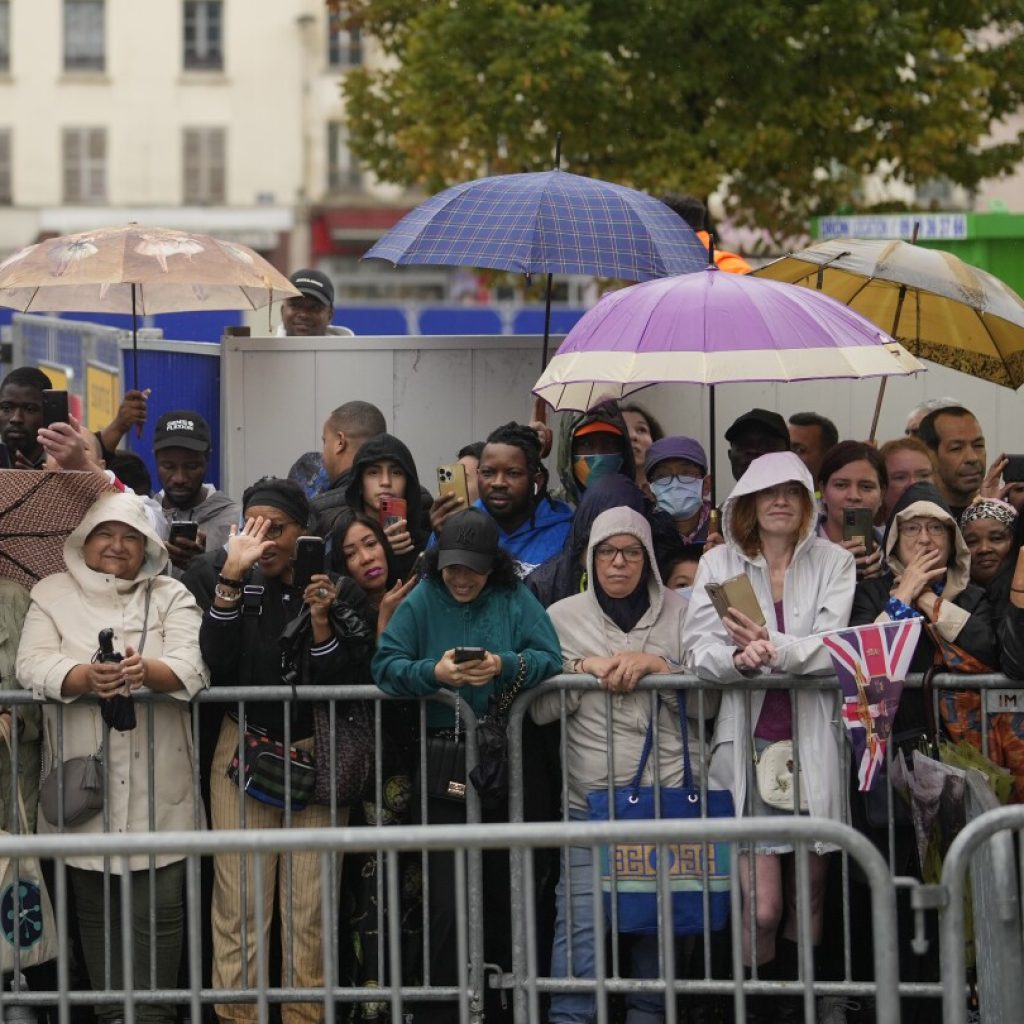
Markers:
(119, 508)
(769, 470)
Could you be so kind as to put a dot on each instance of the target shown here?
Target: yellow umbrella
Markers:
(937, 306)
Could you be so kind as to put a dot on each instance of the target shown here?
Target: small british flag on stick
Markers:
(871, 663)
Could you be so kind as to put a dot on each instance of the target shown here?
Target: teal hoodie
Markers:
(507, 622)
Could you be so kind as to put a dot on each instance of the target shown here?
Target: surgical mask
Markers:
(679, 496)
(684, 592)
(590, 468)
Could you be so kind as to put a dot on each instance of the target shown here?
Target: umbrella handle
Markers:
(878, 410)
(539, 417)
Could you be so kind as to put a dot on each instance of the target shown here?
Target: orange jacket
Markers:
(730, 262)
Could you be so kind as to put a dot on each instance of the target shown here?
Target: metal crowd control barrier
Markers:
(526, 986)
(987, 850)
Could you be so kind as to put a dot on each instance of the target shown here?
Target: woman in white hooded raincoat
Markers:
(114, 563)
(804, 585)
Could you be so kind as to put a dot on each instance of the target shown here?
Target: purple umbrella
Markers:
(714, 328)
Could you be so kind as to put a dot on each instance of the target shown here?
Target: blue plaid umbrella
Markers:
(549, 222)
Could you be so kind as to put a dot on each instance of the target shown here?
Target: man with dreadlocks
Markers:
(512, 482)
(513, 490)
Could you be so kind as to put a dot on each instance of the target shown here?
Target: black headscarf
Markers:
(626, 611)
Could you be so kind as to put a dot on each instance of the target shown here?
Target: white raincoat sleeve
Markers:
(41, 664)
(709, 649)
(837, 579)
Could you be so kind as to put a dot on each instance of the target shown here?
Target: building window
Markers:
(6, 193)
(5, 36)
(85, 165)
(344, 46)
(84, 44)
(204, 35)
(343, 172)
(205, 173)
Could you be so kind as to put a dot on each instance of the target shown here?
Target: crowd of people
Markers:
(473, 597)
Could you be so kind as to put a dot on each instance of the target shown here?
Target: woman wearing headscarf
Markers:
(989, 528)
(623, 626)
(804, 585)
(1006, 592)
(927, 576)
(254, 602)
(114, 580)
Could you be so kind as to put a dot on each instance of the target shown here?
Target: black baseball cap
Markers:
(182, 429)
(315, 285)
(761, 420)
(468, 538)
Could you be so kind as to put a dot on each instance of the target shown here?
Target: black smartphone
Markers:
(467, 654)
(1013, 471)
(858, 524)
(186, 531)
(309, 561)
(55, 407)
(5, 456)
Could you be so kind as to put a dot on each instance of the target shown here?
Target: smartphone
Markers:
(5, 457)
(451, 479)
(391, 510)
(738, 593)
(310, 561)
(186, 531)
(55, 407)
(1013, 472)
(467, 654)
(858, 524)
(715, 521)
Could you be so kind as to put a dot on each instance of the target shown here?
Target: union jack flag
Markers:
(871, 663)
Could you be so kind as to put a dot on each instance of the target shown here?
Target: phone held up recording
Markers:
(392, 510)
(310, 561)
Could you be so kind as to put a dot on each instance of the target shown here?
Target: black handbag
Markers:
(490, 776)
(446, 766)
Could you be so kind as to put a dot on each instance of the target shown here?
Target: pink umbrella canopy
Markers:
(714, 328)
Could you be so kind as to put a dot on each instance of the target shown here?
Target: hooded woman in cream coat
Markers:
(114, 560)
(804, 585)
(624, 626)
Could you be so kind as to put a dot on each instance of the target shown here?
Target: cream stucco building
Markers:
(223, 116)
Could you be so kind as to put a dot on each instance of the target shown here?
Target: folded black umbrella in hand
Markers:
(119, 713)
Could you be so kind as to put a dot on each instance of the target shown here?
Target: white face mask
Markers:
(684, 592)
(679, 496)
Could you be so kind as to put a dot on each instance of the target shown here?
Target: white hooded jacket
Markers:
(585, 631)
(61, 628)
(817, 596)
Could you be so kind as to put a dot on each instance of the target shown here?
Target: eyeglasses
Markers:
(607, 553)
(274, 530)
(933, 528)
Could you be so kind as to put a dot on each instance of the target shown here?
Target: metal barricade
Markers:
(329, 843)
(844, 982)
(524, 984)
(984, 861)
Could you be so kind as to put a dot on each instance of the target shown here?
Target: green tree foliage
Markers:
(786, 102)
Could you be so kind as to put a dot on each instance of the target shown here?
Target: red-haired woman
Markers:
(804, 585)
